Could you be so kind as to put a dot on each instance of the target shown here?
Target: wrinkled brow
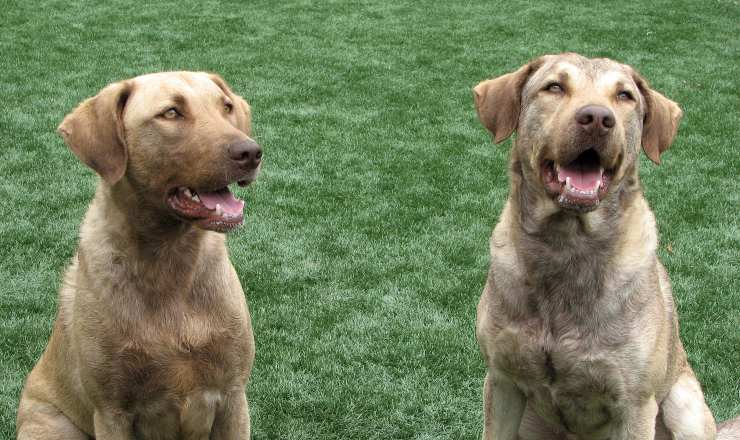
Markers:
(179, 100)
(561, 71)
(613, 78)
(567, 70)
(175, 100)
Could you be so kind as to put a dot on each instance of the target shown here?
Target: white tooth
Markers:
(196, 198)
(568, 187)
(188, 193)
(598, 184)
(601, 170)
(219, 211)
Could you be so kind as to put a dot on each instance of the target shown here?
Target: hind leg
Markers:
(38, 420)
(729, 430)
(685, 414)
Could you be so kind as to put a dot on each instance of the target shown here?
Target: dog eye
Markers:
(625, 96)
(171, 113)
(555, 87)
(228, 107)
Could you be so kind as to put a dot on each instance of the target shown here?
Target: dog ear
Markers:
(661, 121)
(242, 110)
(498, 101)
(94, 131)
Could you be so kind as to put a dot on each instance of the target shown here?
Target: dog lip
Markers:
(186, 203)
(580, 184)
(217, 210)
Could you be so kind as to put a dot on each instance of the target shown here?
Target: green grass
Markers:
(365, 248)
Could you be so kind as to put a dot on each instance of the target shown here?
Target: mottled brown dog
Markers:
(153, 338)
(577, 322)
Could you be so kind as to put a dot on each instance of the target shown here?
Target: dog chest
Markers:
(566, 380)
(166, 367)
(190, 416)
(177, 361)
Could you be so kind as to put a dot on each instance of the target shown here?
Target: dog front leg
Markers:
(232, 420)
(503, 408)
(113, 424)
(639, 423)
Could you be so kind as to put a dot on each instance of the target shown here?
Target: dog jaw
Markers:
(579, 184)
(217, 210)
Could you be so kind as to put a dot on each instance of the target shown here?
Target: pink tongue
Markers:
(580, 177)
(229, 203)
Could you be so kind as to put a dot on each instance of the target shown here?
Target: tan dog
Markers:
(153, 338)
(577, 322)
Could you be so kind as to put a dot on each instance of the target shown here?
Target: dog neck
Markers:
(539, 216)
(148, 248)
(578, 256)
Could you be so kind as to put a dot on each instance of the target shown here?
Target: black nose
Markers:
(247, 153)
(595, 119)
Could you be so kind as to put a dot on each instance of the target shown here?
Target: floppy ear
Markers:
(661, 121)
(498, 101)
(94, 131)
(241, 108)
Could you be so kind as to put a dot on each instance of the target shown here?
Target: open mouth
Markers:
(579, 185)
(217, 210)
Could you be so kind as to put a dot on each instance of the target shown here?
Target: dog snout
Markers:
(595, 119)
(247, 153)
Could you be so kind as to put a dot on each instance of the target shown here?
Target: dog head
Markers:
(580, 123)
(178, 139)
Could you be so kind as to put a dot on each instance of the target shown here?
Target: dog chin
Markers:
(218, 224)
(576, 206)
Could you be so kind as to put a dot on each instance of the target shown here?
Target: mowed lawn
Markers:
(365, 249)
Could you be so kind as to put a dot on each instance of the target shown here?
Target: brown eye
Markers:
(625, 96)
(171, 113)
(228, 107)
(555, 87)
